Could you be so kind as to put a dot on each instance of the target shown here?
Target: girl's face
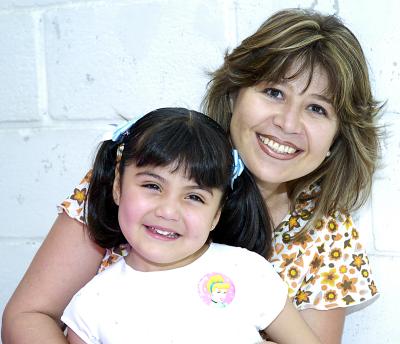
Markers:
(164, 216)
(284, 131)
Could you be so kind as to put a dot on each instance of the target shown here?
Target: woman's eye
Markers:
(274, 93)
(318, 109)
(196, 198)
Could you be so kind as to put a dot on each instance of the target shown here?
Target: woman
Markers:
(296, 100)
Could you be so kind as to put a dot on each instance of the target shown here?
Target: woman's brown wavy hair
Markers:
(311, 39)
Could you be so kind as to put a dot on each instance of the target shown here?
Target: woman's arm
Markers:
(73, 338)
(327, 325)
(64, 263)
(289, 327)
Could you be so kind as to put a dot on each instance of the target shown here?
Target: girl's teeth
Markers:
(275, 146)
(165, 233)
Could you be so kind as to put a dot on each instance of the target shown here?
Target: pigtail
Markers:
(244, 220)
(100, 209)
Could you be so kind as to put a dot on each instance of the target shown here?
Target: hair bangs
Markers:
(183, 145)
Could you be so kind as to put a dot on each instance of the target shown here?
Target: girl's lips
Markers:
(161, 233)
(278, 149)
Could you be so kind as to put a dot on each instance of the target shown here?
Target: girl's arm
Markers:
(64, 263)
(327, 325)
(289, 327)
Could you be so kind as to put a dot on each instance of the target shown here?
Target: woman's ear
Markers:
(232, 100)
(117, 186)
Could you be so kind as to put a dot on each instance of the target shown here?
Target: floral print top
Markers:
(325, 268)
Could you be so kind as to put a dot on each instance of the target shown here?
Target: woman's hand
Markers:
(64, 263)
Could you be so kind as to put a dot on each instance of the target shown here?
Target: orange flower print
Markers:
(347, 222)
(87, 178)
(336, 254)
(330, 296)
(329, 277)
(293, 222)
(288, 259)
(286, 238)
(373, 288)
(303, 240)
(332, 226)
(343, 269)
(305, 214)
(302, 297)
(316, 263)
(348, 299)
(293, 272)
(365, 273)
(319, 224)
(358, 261)
(354, 234)
(79, 195)
(347, 285)
(347, 243)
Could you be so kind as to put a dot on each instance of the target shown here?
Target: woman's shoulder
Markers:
(73, 204)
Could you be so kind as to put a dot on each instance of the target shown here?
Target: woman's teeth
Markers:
(276, 147)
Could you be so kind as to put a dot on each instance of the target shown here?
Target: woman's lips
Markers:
(277, 149)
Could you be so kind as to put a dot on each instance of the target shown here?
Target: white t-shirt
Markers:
(225, 296)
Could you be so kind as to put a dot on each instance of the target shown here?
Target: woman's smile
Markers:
(284, 130)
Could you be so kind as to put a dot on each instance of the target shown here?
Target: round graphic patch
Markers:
(216, 289)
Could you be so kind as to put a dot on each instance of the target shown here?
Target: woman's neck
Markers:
(277, 201)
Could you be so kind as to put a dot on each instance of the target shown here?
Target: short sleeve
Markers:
(73, 205)
(267, 291)
(81, 316)
(338, 274)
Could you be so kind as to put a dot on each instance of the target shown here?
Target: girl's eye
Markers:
(318, 109)
(196, 198)
(151, 186)
(274, 93)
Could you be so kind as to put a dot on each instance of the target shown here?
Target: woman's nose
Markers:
(289, 119)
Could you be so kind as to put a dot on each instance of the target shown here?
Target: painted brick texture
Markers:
(69, 68)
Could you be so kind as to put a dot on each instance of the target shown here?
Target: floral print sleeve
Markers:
(327, 267)
(73, 207)
(73, 204)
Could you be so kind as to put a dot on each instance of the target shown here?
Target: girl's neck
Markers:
(140, 263)
(277, 201)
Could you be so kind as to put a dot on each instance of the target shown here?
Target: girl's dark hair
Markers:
(197, 144)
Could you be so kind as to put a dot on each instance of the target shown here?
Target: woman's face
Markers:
(283, 131)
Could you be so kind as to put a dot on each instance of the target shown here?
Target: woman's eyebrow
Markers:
(323, 98)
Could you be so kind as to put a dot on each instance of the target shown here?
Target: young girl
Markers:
(161, 185)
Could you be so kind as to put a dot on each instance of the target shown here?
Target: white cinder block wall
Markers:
(67, 68)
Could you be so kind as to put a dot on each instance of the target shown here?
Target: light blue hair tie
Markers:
(238, 166)
(119, 132)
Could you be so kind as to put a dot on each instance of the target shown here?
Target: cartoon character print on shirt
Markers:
(216, 289)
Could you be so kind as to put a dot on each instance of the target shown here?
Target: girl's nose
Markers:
(289, 119)
(167, 209)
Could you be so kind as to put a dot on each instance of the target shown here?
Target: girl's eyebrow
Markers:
(151, 174)
(163, 180)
